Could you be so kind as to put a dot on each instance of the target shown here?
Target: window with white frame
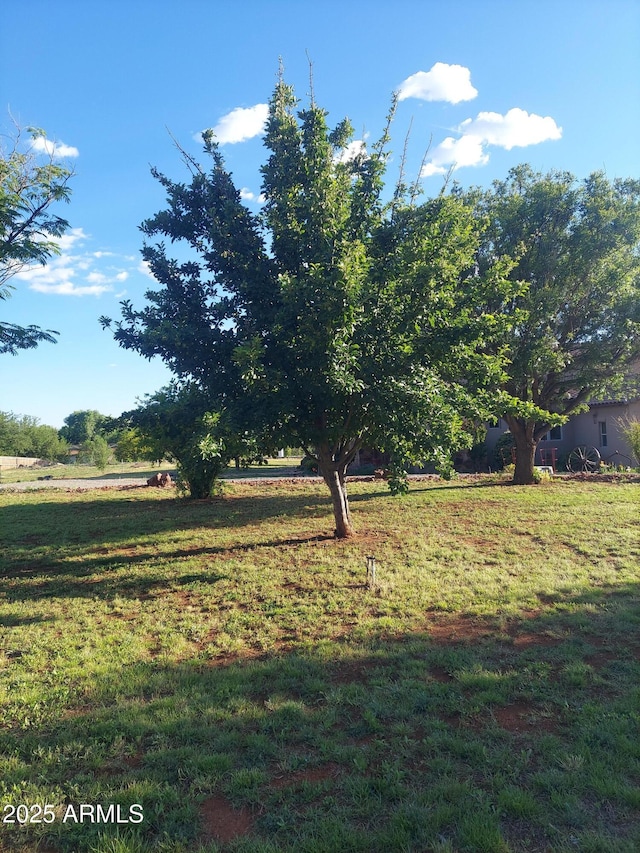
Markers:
(602, 432)
(554, 434)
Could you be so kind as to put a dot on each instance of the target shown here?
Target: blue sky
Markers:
(487, 84)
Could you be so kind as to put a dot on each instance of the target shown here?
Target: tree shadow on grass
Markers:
(69, 580)
(9, 621)
(68, 523)
(471, 732)
(80, 548)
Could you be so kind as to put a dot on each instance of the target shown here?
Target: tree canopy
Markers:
(335, 318)
(177, 423)
(29, 186)
(576, 321)
(23, 435)
(83, 425)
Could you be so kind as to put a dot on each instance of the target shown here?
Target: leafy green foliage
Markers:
(503, 451)
(631, 429)
(28, 188)
(83, 425)
(576, 323)
(95, 451)
(334, 320)
(132, 446)
(26, 436)
(176, 423)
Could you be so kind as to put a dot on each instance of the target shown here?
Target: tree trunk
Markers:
(335, 476)
(525, 450)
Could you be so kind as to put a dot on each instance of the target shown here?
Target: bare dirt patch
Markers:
(601, 659)
(439, 673)
(525, 641)
(523, 718)
(459, 629)
(312, 774)
(223, 823)
(350, 672)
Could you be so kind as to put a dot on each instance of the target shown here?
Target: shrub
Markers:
(309, 465)
(630, 428)
(502, 452)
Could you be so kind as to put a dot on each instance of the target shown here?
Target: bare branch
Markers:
(190, 162)
(311, 92)
(416, 189)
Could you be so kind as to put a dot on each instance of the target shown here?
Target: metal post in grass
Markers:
(371, 572)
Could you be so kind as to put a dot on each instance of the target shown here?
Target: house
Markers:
(598, 428)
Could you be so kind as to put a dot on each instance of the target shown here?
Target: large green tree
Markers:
(334, 318)
(576, 322)
(84, 424)
(177, 424)
(29, 186)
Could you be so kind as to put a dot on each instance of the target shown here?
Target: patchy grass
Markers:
(276, 467)
(114, 471)
(225, 665)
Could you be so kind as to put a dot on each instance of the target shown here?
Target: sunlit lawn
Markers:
(225, 665)
(121, 470)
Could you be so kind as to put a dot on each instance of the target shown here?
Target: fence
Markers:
(19, 462)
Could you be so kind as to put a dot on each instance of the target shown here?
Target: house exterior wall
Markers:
(584, 428)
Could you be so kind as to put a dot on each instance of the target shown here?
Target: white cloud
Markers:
(443, 82)
(517, 128)
(97, 278)
(53, 149)
(57, 277)
(144, 268)
(353, 150)
(66, 241)
(68, 288)
(240, 124)
(466, 151)
(75, 272)
(247, 195)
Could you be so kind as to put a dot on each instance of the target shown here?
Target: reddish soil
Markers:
(522, 718)
(221, 822)
(458, 629)
(440, 674)
(600, 659)
(524, 641)
(315, 774)
(348, 672)
(134, 760)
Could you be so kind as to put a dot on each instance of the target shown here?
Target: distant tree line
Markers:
(22, 435)
(92, 435)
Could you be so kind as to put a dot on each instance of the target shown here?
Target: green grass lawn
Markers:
(225, 665)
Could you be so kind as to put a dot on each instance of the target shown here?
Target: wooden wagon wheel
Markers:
(584, 458)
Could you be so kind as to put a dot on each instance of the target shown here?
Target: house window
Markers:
(602, 431)
(554, 434)
(494, 423)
